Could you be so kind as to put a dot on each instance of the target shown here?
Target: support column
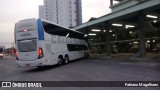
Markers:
(142, 33)
(108, 41)
(101, 40)
(87, 30)
(108, 44)
(111, 3)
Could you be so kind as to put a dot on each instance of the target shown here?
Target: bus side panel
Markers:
(59, 48)
(40, 30)
(48, 53)
(47, 49)
(45, 44)
(54, 54)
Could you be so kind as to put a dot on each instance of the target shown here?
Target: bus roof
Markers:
(56, 29)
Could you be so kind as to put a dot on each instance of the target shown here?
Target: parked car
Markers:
(1, 55)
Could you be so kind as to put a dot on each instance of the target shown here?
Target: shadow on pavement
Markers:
(41, 69)
(46, 68)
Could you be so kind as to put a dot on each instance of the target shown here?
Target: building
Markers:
(64, 12)
(133, 26)
(41, 12)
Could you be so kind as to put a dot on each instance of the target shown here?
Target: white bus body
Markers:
(40, 43)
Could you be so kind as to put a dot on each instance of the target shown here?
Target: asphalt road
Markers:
(84, 70)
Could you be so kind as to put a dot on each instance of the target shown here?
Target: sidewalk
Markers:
(128, 56)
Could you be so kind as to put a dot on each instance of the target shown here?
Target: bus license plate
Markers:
(27, 64)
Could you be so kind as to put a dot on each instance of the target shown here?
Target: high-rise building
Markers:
(64, 12)
(41, 12)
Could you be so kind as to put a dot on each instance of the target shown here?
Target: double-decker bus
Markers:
(41, 43)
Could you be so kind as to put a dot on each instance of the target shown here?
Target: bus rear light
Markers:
(40, 53)
(25, 30)
(16, 55)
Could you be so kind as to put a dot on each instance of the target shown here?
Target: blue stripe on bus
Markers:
(40, 30)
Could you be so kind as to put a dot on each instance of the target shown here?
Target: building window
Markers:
(70, 15)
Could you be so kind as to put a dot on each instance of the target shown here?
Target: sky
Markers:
(11, 11)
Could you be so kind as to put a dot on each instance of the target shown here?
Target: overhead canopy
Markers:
(56, 29)
(127, 14)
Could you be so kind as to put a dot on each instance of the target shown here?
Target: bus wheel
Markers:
(60, 61)
(66, 60)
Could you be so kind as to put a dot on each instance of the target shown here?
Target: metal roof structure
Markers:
(126, 14)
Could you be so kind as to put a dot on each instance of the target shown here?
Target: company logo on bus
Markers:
(26, 34)
(25, 25)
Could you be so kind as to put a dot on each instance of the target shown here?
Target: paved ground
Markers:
(92, 69)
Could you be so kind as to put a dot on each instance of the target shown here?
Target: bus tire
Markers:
(60, 60)
(66, 59)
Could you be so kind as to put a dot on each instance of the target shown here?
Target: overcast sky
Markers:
(12, 11)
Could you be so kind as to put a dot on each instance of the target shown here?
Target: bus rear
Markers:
(29, 51)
